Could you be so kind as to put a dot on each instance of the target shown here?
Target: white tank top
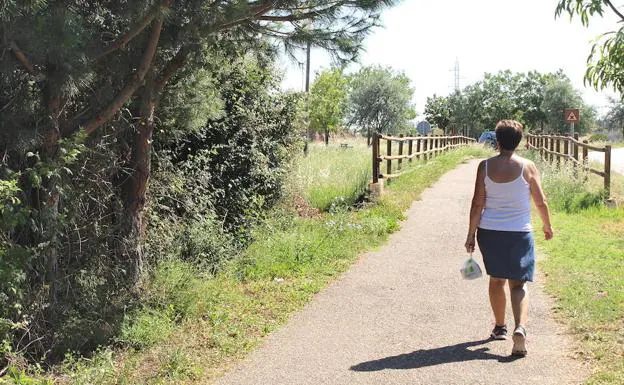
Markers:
(507, 205)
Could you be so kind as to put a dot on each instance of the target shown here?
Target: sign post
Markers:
(571, 116)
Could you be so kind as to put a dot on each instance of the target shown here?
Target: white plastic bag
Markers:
(471, 269)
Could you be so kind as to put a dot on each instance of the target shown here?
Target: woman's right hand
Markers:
(548, 233)
(470, 243)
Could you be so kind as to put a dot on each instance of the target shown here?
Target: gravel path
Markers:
(617, 159)
(403, 315)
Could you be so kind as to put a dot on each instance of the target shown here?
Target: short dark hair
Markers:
(508, 134)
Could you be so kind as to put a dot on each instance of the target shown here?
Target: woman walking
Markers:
(500, 220)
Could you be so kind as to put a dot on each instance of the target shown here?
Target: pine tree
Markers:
(74, 71)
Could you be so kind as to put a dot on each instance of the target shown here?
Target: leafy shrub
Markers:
(14, 261)
(97, 369)
(16, 376)
(235, 165)
(583, 201)
(598, 138)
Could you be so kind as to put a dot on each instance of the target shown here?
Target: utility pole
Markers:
(307, 83)
(307, 90)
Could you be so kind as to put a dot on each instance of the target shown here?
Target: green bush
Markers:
(598, 138)
(16, 376)
(14, 261)
(583, 201)
(219, 162)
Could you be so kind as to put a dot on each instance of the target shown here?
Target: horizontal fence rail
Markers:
(557, 148)
(419, 147)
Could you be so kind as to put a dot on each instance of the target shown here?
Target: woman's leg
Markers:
(519, 301)
(498, 299)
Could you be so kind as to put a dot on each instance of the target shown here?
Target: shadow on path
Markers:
(431, 357)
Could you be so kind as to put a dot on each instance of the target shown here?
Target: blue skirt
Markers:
(507, 254)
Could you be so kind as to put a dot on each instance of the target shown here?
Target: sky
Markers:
(424, 38)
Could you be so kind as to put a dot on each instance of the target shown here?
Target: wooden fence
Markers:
(419, 147)
(555, 148)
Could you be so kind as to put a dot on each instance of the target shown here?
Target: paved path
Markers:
(402, 315)
(617, 159)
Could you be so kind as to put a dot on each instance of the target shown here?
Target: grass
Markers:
(585, 270)
(585, 267)
(193, 326)
(330, 174)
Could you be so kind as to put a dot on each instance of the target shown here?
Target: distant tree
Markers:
(614, 118)
(530, 95)
(605, 64)
(560, 94)
(328, 98)
(499, 97)
(535, 99)
(381, 100)
(437, 111)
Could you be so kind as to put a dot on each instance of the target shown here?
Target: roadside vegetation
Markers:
(332, 175)
(584, 266)
(192, 325)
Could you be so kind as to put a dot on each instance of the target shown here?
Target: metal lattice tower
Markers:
(456, 73)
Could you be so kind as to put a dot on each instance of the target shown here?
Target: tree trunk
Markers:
(135, 188)
(326, 137)
(368, 137)
(48, 201)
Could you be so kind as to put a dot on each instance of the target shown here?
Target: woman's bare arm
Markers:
(478, 203)
(537, 193)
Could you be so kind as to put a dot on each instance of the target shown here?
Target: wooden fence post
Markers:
(575, 153)
(425, 147)
(566, 150)
(558, 150)
(585, 159)
(607, 170)
(400, 151)
(389, 153)
(552, 149)
(375, 157)
(418, 140)
(409, 150)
